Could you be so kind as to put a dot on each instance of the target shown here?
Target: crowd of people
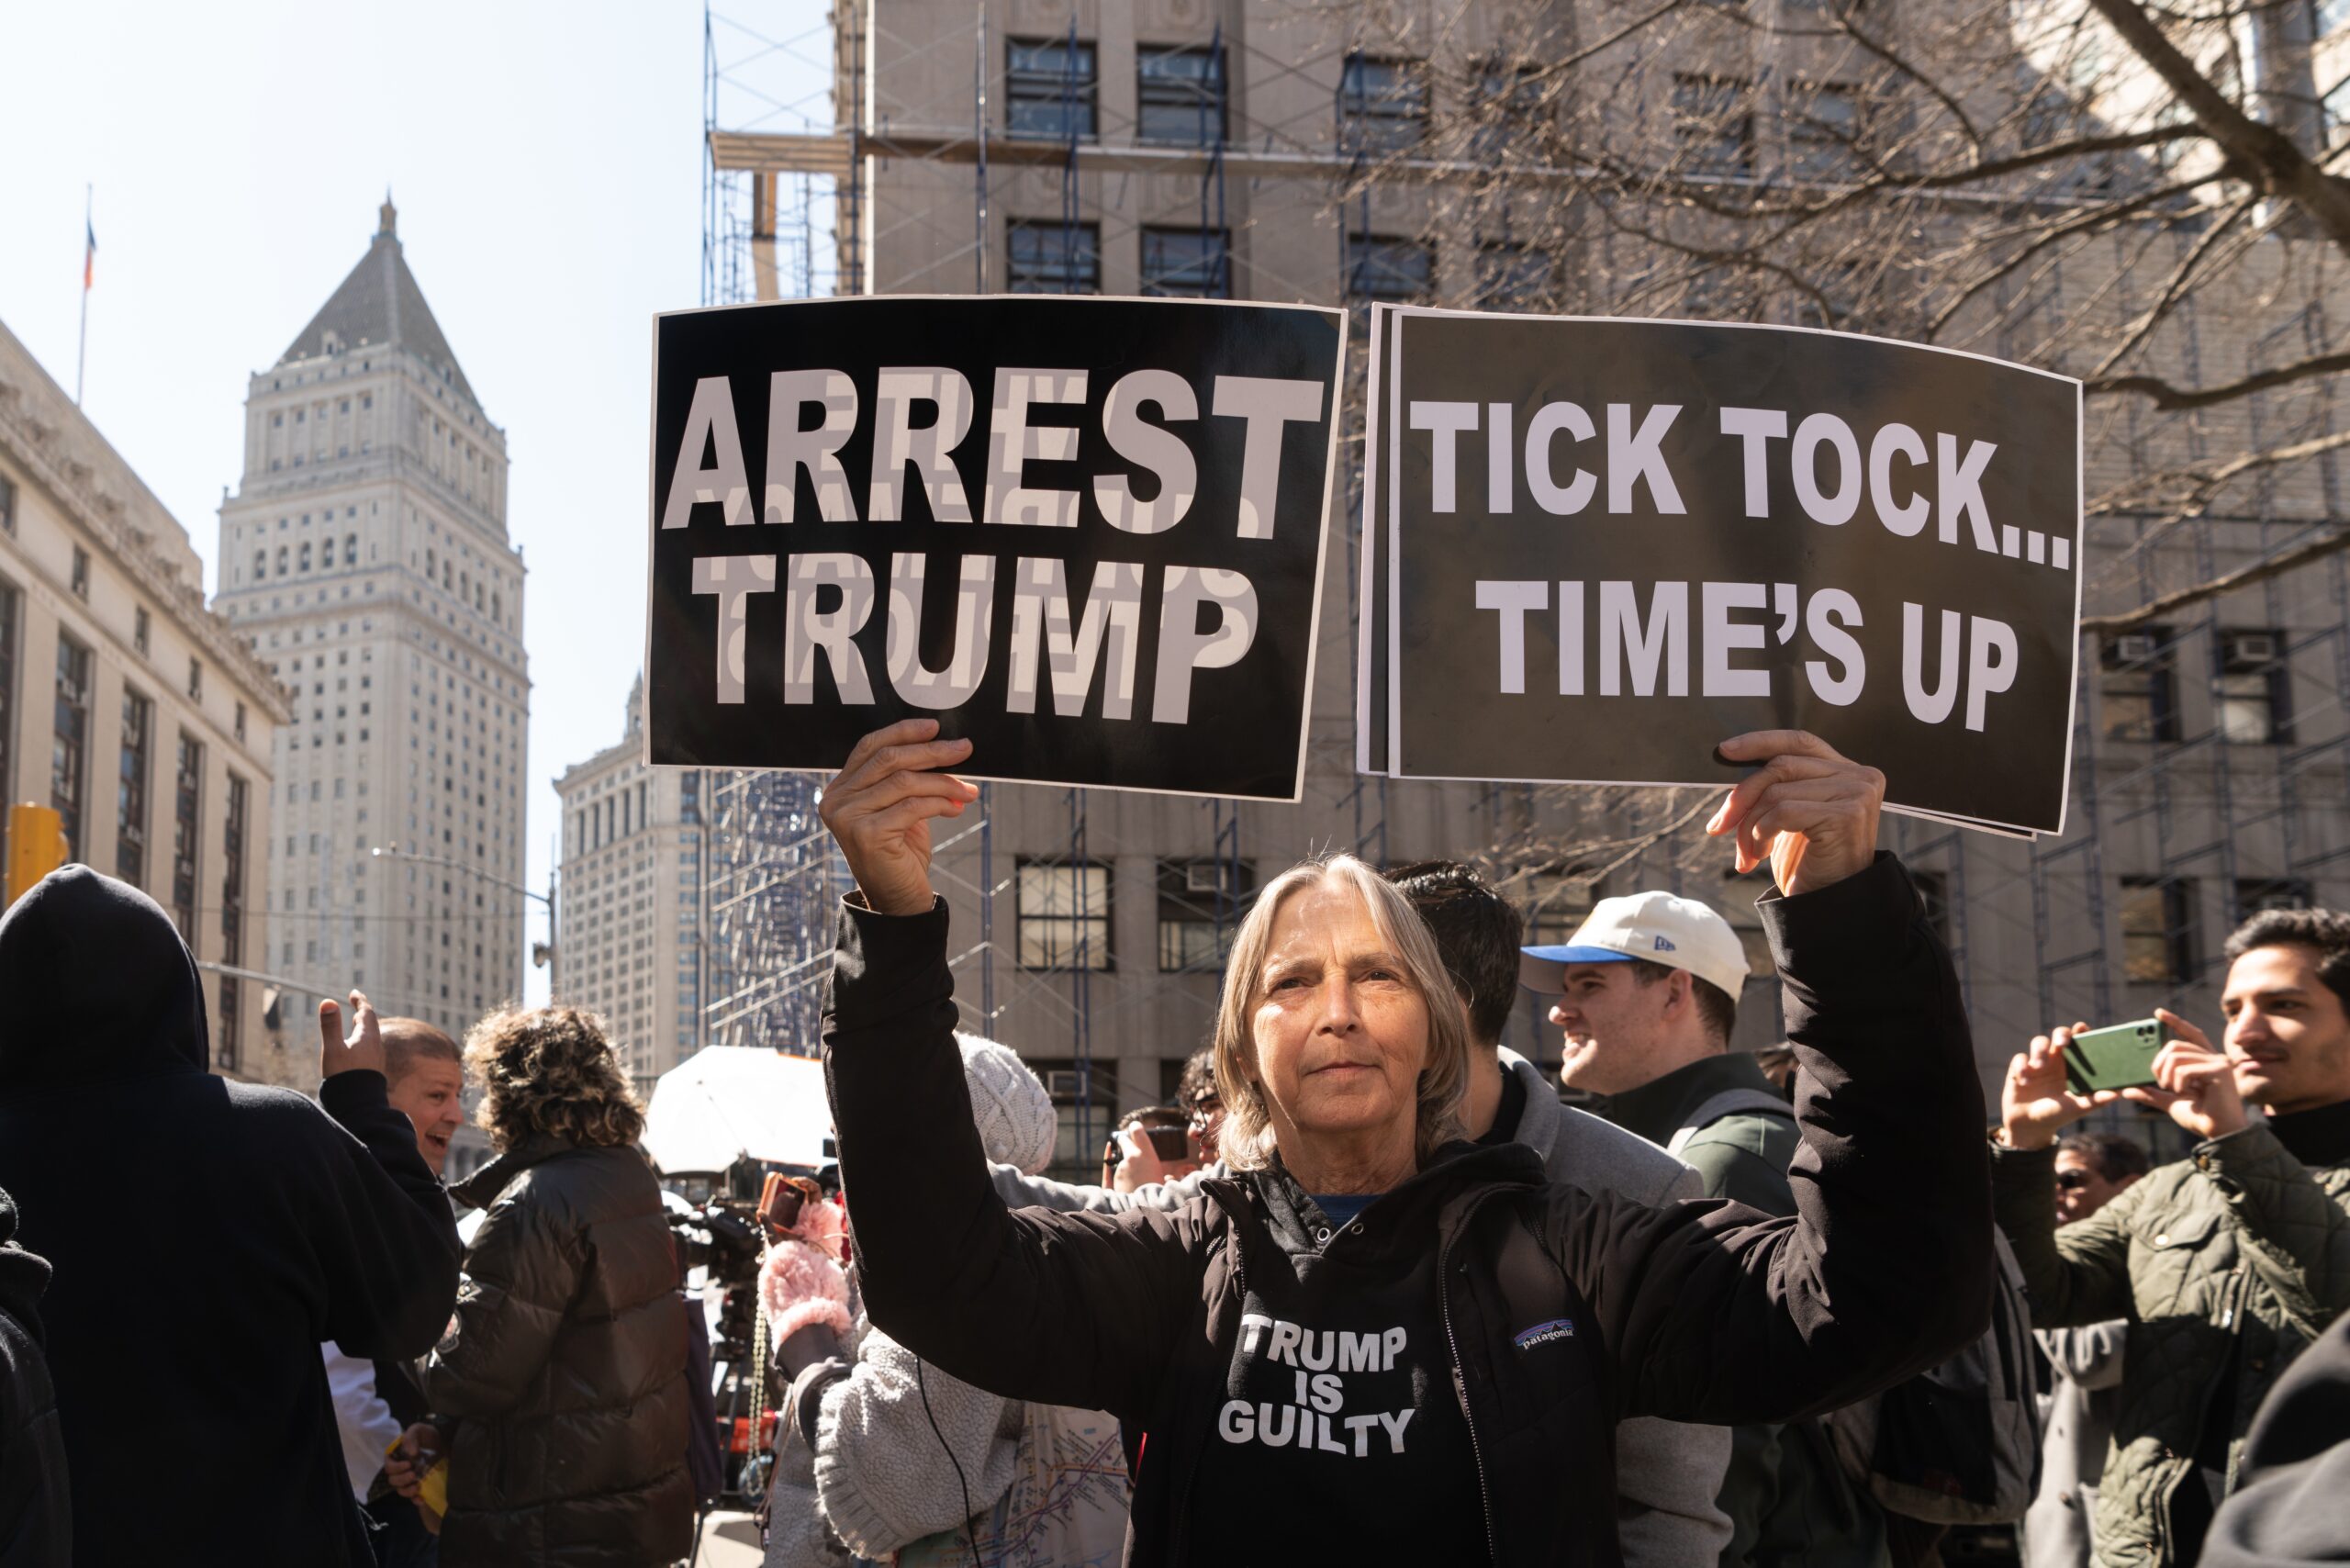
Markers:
(1375, 1288)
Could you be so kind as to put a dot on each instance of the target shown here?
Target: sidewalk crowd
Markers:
(1374, 1290)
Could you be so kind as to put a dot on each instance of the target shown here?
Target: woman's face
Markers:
(1340, 1033)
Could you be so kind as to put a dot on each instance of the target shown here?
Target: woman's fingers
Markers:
(914, 809)
(889, 790)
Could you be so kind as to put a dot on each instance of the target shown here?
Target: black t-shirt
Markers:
(1340, 1434)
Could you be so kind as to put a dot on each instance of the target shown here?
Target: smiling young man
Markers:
(375, 1401)
(2226, 1264)
(1646, 991)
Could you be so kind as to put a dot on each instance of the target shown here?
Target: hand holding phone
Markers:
(2195, 1081)
(2036, 1100)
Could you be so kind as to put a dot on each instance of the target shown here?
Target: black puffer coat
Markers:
(565, 1371)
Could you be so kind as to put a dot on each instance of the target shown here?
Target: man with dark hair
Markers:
(1646, 991)
(1668, 1473)
(2226, 1264)
(2084, 1363)
(377, 1399)
(2091, 1171)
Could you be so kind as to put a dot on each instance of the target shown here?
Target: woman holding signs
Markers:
(1376, 1341)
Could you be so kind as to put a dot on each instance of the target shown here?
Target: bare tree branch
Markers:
(2326, 543)
(2170, 398)
(2267, 154)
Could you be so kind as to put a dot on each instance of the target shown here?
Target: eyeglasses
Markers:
(2072, 1180)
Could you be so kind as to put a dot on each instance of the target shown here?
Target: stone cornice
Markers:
(39, 426)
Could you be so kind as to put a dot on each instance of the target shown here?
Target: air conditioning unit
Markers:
(2131, 648)
(1201, 876)
(1064, 1083)
(2251, 650)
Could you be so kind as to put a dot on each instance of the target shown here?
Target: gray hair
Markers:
(1246, 1142)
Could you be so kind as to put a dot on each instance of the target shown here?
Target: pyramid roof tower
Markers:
(379, 304)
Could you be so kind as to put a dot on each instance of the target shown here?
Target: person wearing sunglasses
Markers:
(2085, 1387)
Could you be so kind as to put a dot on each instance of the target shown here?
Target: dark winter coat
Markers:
(206, 1237)
(2225, 1265)
(1555, 1313)
(564, 1372)
(36, 1506)
(2292, 1503)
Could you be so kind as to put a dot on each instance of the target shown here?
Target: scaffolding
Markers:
(2183, 807)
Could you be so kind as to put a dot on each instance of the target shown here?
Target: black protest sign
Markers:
(1086, 533)
(1612, 544)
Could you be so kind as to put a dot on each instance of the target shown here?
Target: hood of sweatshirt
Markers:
(96, 986)
(23, 1275)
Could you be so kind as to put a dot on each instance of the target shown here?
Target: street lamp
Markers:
(543, 953)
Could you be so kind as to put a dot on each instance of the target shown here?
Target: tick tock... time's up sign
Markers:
(1086, 533)
(1594, 549)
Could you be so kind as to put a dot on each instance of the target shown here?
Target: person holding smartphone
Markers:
(2224, 1264)
(1166, 1131)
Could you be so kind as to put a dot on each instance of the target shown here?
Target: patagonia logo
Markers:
(1546, 1333)
(1663, 946)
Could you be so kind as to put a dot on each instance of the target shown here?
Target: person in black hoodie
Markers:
(207, 1236)
(36, 1508)
(1378, 1343)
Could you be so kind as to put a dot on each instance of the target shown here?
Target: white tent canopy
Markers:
(727, 1101)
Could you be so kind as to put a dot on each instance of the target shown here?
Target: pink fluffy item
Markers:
(802, 1285)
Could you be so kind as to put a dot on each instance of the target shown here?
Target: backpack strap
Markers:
(1728, 1102)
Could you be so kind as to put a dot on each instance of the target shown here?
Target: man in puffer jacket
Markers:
(865, 1470)
(559, 1392)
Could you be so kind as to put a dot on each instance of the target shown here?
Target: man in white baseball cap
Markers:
(1647, 991)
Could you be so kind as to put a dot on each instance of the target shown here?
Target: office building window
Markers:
(233, 918)
(1193, 263)
(1064, 915)
(8, 505)
(1823, 130)
(70, 746)
(131, 789)
(1516, 277)
(1713, 119)
(1046, 256)
(1200, 904)
(1507, 109)
(2158, 943)
(138, 627)
(1383, 268)
(1382, 104)
(2254, 694)
(81, 572)
(196, 680)
(187, 833)
(1049, 89)
(2138, 686)
(2256, 895)
(1179, 95)
(9, 603)
(1085, 1100)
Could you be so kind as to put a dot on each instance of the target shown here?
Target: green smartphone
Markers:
(2122, 1056)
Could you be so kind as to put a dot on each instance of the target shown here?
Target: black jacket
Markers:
(36, 1506)
(207, 1236)
(2291, 1505)
(1557, 1313)
(566, 1370)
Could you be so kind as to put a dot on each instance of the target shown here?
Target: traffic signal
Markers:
(35, 846)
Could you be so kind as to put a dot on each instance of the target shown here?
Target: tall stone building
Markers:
(365, 555)
(141, 717)
(1282, 149)
(630, 942)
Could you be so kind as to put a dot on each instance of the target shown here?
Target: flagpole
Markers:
(81, 354)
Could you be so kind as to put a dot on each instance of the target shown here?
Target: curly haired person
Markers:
(559, 1392)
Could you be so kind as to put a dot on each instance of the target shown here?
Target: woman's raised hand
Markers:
(880, 804)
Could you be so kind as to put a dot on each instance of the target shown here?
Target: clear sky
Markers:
(545, 158)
